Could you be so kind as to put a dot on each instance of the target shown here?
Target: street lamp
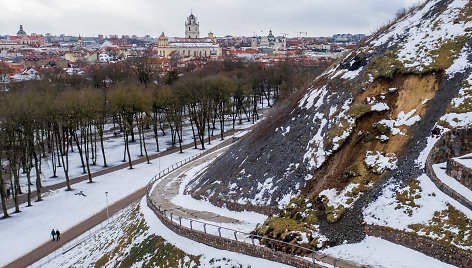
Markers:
(106, 196)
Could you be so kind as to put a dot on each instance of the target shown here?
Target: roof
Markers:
(192, 42)
(248, 51)
(30, 37)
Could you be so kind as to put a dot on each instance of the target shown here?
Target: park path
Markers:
(168, 187)
(77, 230)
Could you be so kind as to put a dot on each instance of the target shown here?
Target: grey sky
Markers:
(241, 17)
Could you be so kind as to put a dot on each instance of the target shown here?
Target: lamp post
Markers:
(106, 196)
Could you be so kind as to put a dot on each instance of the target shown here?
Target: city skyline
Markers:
(239, 18)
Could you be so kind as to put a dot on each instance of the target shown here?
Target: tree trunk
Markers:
(2, 192)
(140, 133)
(144, 145)
(78, 142)
(15, 186)
(87, 154)
(155, 136)
(64, 150)
(129, 154)
(193, 132)
(37, 163)
(100, 133)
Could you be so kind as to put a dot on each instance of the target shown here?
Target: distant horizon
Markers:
(139, 36)
(88, 18)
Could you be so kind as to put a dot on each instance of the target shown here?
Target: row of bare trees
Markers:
(48, 119)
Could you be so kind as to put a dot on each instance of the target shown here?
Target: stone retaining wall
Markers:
(459, 172)
(445, 188)
(231, 245)
(452, 144)
(448, 254)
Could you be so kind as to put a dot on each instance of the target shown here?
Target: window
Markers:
(188, 28)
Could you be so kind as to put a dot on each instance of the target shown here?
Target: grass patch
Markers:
(296, 225)
(359, 109)
(333, 213)
(382, 128)
(447, 53)
(406, 199)
(448, 226)
(388, 65)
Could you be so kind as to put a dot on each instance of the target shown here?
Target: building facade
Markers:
(191, 45)
(270, 41)
(23, 40)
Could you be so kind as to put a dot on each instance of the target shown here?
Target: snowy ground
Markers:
(377, 252)
(247, 219)
(194, 248)
(114, 150)
(111, 243)
(62, 210)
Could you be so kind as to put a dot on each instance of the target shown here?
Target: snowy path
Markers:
(168, 194)
(440, 170)
(63, 210)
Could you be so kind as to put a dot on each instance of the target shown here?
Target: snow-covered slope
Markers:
(360, 133)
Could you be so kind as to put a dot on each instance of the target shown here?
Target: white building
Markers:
(270, 41)
(104, 57)
(191, 45)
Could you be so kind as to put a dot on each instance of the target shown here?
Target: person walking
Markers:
(58, 235)
(53, 233)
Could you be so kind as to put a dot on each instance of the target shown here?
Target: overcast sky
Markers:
(223, 17)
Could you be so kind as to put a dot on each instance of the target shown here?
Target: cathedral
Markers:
(23, 40)
(191, 45)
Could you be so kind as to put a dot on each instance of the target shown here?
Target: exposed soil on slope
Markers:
(349, 227)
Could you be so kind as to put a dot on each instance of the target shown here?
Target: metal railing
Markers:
(232, 234)
(228, 233)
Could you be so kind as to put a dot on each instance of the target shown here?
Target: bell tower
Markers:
(192, 27)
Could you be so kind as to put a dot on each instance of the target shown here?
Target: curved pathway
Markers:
(168, 187)
(77, 230)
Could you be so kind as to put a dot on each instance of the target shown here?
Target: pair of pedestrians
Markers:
(55, 234)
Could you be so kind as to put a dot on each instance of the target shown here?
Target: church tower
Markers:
(21, 32)
(192, 27)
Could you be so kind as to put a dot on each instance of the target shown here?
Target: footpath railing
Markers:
(233, 240)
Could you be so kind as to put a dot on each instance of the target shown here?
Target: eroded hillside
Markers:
(363, 126)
